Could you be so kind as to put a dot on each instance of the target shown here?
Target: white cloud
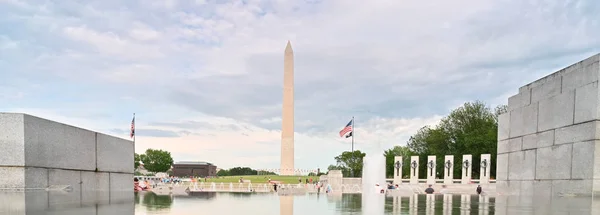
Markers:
(214, 70)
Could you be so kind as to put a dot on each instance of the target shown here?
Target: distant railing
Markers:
(441, 181)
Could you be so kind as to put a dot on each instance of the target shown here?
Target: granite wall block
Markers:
(521, 165)
(520, 100)
(538, 140)
(523, 121)
(554, 162)
(12, 177)
(114, 154)
(577, 133)
(55, 145)
(502, 167)
(12, 141)
(586, 103)
(556, 111)
(546, 90)
(583, 160)
(503, 126)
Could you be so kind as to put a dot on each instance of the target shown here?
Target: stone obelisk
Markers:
(287, 118)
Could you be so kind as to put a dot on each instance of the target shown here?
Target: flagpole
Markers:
(353, 132)
(134, 133)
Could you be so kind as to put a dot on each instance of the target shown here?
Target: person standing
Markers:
(429, 190)
(479, 189)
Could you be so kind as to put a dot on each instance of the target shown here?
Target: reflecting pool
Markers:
(273, 204)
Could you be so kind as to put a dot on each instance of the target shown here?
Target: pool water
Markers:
(99, 203)
(343, 204)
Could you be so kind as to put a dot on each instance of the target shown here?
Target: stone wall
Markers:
(547, 141)
(38, 153)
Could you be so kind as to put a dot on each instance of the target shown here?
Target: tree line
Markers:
(470, 129)
(236, 171)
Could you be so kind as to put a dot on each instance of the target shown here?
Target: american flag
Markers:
(347, 131)
(132, 132)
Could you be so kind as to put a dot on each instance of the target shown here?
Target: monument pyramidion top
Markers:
(288, 47)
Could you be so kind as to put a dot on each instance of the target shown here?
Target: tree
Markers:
(469, 129)
(242, 171)
(351, 163)
(156, 160)
(136, 160)
(223, 172)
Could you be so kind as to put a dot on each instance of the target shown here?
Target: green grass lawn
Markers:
(256, 179)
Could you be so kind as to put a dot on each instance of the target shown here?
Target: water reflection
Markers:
(286, 205)
(60, 202)
(273, 204)
(154, 202)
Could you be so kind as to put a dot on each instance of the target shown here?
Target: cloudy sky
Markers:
(204, 77)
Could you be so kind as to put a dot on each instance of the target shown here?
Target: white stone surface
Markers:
(538, 140)
(521, 165)
(449, 169)
(586, 103)
(55, 145)
(581, 75)
(515, 144)
(484, 168)
(12, 177)
(522, 99)
(546, 90)
(431, 169)
(503, 126)
(556, 111)
(583, 160)
(114, 154)
(523, 121)
(502, 167)
(467, 169)
(577, 133)
(414, 169)
(12, 143)
(398, 171)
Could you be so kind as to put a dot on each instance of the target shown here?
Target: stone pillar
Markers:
(398, 170)
(449, 169)
(414, 169)
(431, 169)
(547, 140)
(335, 179)
(467, 163)
(484, 168)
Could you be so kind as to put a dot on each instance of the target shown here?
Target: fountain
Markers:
(230, 187)
(373, 173)
(213, 186)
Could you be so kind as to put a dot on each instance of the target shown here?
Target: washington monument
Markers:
(287, 118)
